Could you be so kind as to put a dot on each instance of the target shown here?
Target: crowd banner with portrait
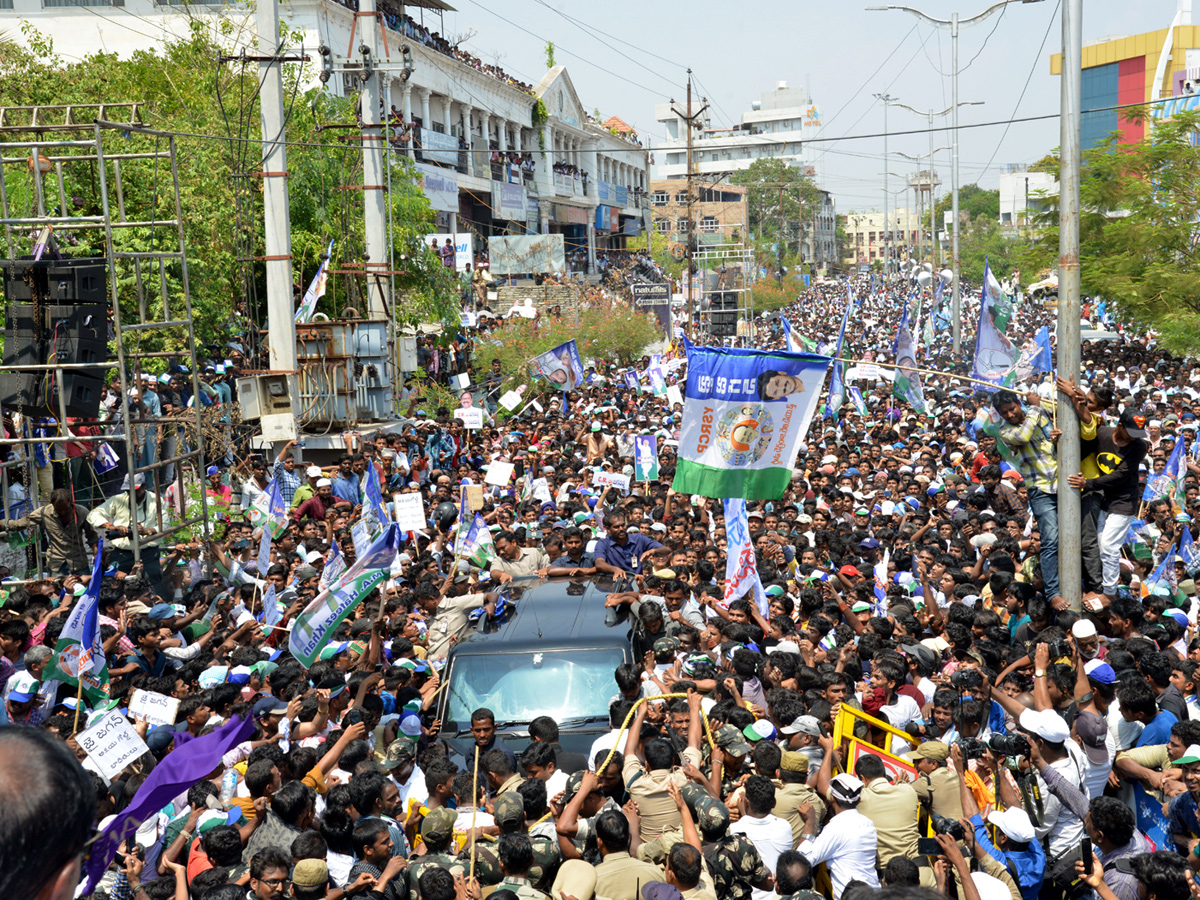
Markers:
(744, 415)
(560, 366)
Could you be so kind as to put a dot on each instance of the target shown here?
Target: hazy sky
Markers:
(625, 56)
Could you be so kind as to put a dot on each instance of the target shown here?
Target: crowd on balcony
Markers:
(415, 31)
(562, 168)
(523, 161)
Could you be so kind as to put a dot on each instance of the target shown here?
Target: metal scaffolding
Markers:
(110, 189)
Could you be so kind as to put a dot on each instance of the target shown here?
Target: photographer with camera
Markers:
(1015, 846)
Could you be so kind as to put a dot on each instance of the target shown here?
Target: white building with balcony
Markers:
(776, 125)
(490, 165)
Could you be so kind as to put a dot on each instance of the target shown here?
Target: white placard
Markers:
(499, 473)
(410, 512)
(155, 708)
(361, 536)
(612, 479)
(509, 400)
(541, 490)
(674, 395)
(460, 382)
(112, 744)
(471, 416)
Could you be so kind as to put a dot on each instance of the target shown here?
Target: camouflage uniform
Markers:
(437, 860)
(546, 859)
(733, 861)
(523, 889)
(437, 828)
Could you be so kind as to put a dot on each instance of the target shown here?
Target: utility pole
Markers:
(375, 219)
(1069, 538)
(886, 99)
(690, 119)
(277, 233)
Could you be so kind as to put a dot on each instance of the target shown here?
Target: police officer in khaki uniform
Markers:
(657, 811)
(450, 614)
(509, 814)
(792, 792)
(620, 876)
(938, 785)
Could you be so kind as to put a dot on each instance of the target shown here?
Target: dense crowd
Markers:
(915, 707)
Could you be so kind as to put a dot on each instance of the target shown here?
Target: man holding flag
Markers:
(78, 658)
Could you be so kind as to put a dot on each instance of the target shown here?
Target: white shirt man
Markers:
(849, 842)
(770, 834)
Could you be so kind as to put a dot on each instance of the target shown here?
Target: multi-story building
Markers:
(721, 211)
(867, 236)
(492, 164)
(776, 126)
(1132, 70)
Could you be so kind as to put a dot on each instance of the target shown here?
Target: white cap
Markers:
(846, 789)
(323, 482)
(1083, 628)
(1014, 822)
(990, 887)
(313, 557)
(784, 647)
(1046, 724)
(313, 472)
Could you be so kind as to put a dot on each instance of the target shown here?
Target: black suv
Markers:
(552, 653)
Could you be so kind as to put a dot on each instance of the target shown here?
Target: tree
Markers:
(186, 91)
(778, 194)
(1139, 243)
(973, 201)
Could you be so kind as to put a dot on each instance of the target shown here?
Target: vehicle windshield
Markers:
(519, 687)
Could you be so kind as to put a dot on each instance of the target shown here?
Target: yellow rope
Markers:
(625, 725)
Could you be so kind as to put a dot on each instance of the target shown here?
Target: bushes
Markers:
(613, 333)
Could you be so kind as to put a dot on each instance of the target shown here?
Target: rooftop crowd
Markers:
(1006, 745)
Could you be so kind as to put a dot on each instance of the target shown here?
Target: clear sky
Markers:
(626, 55)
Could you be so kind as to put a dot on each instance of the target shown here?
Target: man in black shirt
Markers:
(1119, 451)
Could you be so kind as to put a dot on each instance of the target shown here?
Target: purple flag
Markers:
(180, 769)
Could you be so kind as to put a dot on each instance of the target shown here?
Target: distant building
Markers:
(722, 212)
(775, 126)
(1135, 69)
(865, 236)
(1023, 194)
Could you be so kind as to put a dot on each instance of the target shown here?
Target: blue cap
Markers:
(268, 705)
(161, 611)
(159, 739)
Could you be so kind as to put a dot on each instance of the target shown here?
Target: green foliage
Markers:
(550, 55)
(778, 192)
(213, 109)
(1138, 235)
(613, 332)
(973, 202)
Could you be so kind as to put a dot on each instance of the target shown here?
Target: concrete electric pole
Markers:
(1069, 537)
(376, 266)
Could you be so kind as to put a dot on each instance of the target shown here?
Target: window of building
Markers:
(708, 224)
(872, 237)
(681, 197)
(662, 226)
(681, 225)
(660, 198)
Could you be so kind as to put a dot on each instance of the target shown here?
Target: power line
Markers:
(1028, 78)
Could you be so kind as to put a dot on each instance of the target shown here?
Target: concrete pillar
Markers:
(503, 136)
(447, 114)
(426, 122)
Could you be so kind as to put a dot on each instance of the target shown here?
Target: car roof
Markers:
(549, 613)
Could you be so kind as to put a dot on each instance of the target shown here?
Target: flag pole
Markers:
(78, 700)
(884, 365)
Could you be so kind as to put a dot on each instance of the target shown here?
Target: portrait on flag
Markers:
(744, 414)
(560, 366)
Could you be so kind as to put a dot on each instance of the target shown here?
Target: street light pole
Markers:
(954, 23)
(885, 99)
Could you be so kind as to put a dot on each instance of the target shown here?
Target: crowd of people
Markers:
(916, 709)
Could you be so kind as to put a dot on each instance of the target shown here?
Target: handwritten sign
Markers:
(499, 473)
(471, 416)
(155, 708)
(112, 744)
(541, 490)
(509, 400)
(612, 479)
(474, 497)
(410, 512)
